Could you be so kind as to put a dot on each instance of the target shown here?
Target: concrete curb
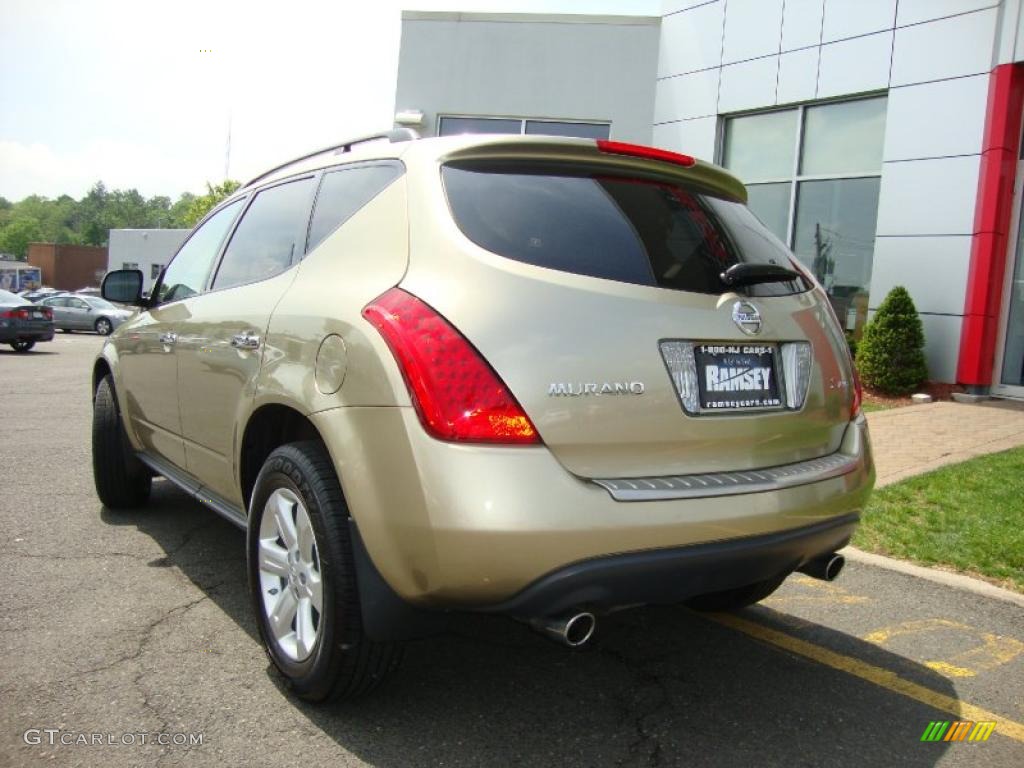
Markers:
(955, 580)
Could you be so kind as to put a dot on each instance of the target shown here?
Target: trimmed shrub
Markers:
(890, 355)
(851, 342)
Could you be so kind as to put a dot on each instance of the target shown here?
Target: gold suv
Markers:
(542, 377)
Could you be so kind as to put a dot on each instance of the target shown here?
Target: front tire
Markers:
(302, 579)
(122, 481)
(104, 327)
(22, 346)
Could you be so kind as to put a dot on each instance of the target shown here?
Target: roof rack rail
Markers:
(394, 135)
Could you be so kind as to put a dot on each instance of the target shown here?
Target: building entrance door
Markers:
(1008, 378)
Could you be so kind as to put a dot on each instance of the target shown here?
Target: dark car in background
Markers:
(23, 323)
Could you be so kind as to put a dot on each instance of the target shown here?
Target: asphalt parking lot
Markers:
(129, 623)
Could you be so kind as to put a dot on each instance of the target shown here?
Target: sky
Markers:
(140, 94)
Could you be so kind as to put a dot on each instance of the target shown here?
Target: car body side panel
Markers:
(365, 257)
(148, 377)
(216, 380)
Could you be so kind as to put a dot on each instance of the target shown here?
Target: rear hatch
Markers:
(593, 285)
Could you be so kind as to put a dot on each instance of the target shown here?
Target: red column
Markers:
(992, 215)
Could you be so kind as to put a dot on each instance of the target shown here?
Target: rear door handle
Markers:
(245, 341)
(168, 338)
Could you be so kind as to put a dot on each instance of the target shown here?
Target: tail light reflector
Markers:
(647, 153)
(858, 394)
(457, 395)
(25, 313)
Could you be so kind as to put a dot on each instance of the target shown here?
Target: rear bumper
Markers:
(477, 528)
(16, 332)
(672, 575)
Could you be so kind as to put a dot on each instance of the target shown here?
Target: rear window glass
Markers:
(631, 230)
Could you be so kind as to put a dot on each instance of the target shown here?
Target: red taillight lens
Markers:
(16, 314)
(647, 153)
(457, 395)
(858, 394)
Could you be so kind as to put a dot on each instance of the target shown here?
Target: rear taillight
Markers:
(16, 314)
(457, 395)
(647, 153)
(858, 394)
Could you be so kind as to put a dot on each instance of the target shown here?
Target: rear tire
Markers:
(22, 346)
(122, 481)
(298, 493)
(734, 599)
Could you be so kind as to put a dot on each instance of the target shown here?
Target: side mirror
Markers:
(123, 286)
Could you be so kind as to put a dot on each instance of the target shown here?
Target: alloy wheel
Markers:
(290, 579)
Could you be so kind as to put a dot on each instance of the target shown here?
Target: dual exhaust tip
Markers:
(824, 567)
(576, 629)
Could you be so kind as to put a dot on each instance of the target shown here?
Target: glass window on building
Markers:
(452, 126)
(813, 175)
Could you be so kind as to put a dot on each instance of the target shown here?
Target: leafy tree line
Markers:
(88, 221)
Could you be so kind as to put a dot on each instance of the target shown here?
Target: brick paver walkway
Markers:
(918, 438)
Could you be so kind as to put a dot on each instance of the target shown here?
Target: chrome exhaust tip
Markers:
(573, 631)
(824, 567)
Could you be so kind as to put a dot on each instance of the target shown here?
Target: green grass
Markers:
(869, 407)
(967, 516)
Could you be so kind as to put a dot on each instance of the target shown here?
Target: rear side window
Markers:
(631, 230)
(343, 193)
(269, 236)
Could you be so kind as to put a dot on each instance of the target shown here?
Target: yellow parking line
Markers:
(877, 675)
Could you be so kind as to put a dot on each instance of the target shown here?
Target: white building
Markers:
(879, 139)
(147, 249)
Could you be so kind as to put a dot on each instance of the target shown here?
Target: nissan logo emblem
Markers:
(746, 316)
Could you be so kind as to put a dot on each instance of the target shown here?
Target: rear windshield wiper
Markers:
(749, 274)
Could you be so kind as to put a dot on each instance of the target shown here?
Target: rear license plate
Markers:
(736, 377)
(39, 315)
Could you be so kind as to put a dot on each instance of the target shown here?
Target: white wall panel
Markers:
(916, 11)
(849, 18)
(752, 29)
(693, 95)
(691, 40)
(946, 48)
(801, 23)
(928, 197)
(748, 85)
(936, 119)
(798, 75)
(933, 269)
(854, 66)
(691, 137)
(942, 345)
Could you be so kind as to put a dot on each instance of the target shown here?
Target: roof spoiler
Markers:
(394, 135)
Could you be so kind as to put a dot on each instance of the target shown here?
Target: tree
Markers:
(88, 221)
(17, 234)
(890, 355)
(202, 205)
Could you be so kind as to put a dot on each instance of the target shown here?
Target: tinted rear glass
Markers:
(631, 230)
